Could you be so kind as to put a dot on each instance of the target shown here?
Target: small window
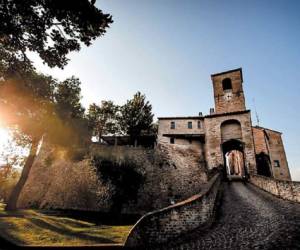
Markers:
(172, 125)
(226, 83)
(190, 141)
(172, 140)
(199, 124)
(276, 164)
(190, 125)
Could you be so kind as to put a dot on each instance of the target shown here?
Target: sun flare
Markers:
(4, 136)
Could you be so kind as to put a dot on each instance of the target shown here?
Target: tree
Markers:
(71, 126)
(51, 28)
(136, 116)
(8, 179)
(27, 105)
(39, 106)
(103, 119)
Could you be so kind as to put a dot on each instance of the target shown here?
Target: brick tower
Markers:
(228, 91)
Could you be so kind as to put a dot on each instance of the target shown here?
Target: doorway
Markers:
(234, 160)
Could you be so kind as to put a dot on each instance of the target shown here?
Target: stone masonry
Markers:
(228, 127)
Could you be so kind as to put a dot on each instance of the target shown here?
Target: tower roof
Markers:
(229, 71)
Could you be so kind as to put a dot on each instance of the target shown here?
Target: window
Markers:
(226, 83)
(190, 141)
(172, 125)
(172, 140)
(276, 164)
(199, 124)
(190, 125)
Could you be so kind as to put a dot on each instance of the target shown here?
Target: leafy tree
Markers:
(8, 179)
(29, 101)
(71, 126)
(51, 28)
(26, 105)
(39, 106)
(68, 96)
(103, 119)
(136, 116)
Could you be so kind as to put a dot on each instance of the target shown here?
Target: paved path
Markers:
(248, 218)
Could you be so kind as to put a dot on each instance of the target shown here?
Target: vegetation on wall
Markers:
(123, 176)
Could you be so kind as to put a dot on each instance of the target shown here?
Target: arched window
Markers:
(226, 83)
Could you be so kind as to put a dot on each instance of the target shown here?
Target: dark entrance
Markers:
(234, 162)
(263, 164)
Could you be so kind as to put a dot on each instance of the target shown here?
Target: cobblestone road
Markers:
(248, 218)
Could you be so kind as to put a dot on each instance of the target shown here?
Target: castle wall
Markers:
(270, 142)
(288, 190)
(213, 142)
(174, 221)
(170, 173)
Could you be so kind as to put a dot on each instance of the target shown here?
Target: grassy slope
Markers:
(29, 227)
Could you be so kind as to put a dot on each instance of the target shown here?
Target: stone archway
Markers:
(234, 160)
(233, 148)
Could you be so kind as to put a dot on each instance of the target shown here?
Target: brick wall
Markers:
(288, 190)
(168, 223)
(270, 142)
(237, 101)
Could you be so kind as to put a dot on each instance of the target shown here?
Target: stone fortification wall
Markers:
(168, 223)
(166, 174)
(288, 190)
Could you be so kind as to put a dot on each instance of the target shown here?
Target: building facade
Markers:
(227, 130)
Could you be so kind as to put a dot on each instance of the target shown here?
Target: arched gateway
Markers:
(233, 149)
(234, 160)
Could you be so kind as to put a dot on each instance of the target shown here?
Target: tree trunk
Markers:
(14, 196)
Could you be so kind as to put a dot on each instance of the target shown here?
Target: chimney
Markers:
(211, 111)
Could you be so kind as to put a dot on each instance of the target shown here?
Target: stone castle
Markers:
(226, 137)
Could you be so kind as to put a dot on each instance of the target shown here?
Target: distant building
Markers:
(226, 131)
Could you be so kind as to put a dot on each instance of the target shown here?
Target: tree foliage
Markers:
(51, 28)
(103, 119)
(136, 116)
(27, 104)
(8, 179)
(35, 104)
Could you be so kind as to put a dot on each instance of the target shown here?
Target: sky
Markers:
(167, 49)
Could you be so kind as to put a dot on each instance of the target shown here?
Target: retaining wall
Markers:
(168, 223)
(288, 190)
